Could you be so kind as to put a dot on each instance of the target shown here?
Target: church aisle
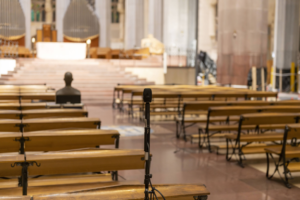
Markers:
(225, 180)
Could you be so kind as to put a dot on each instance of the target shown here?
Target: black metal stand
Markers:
(23, 180)
(149, 195)
(148, 176)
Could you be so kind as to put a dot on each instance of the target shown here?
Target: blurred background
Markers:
(241, 43)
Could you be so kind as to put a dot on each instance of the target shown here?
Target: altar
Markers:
(61, 50)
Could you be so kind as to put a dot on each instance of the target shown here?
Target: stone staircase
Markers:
(94, 78)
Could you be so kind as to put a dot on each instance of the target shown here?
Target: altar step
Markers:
(95, 78)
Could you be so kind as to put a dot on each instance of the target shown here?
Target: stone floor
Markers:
(225, 180)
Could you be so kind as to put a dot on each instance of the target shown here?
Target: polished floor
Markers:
(175, 161)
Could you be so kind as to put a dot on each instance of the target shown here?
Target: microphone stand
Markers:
(147, 97)
(148, 176)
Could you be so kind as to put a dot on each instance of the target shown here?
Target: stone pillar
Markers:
(155, 19)
(134, 23)
(48, 10)
(286, 40)
(61, 8)
(242, 39)
(207, 27)
(121, 10)
(103, 11)
(175, 26)
(26, 6)
(192, 12)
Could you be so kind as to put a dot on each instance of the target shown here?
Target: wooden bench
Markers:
(254, 143)
(29, 125)
(45, 96)
(230, 112)
(133, 192)
(204, 105)
(57, 140)
(288, 152)
(32, 106)
(97, 52)
(56, 163)
(52, 113)
(199, 92)
(43, 113)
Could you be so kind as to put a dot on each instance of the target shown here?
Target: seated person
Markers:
(68, 94)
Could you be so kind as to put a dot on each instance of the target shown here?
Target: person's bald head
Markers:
(68, 78)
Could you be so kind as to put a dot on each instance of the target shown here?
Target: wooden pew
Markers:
(288, 152)
(115, 53)
(62, 184)
(45, 96)
(188, 107)
(57, 140)
(133, 192)
(55, 163)
(43, 113)
(245, 143)
(29, 125)
(179, 96)
(97, 52)
(32, 106)
(217, 114)
(52, 113)
(15, 198)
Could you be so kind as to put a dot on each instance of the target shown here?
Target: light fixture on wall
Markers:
(33, 45)
(88, 42)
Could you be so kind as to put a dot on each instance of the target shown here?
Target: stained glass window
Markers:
(115, 15)
(38, 13)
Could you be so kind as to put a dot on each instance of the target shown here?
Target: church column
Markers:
(286, 41)
(26, 6)
(61, 8)
(155, 18)
(134, 23)
(242, 39)
(48, 10)
(103, 11)
(175, 26)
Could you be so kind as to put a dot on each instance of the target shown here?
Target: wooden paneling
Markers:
(180, 75)
(94, 42)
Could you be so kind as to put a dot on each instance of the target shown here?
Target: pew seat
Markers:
(15, 198)
(57, 180)
(133, 192)
(51, 189)
(204, 119)
(290, 151)
(266, 137)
